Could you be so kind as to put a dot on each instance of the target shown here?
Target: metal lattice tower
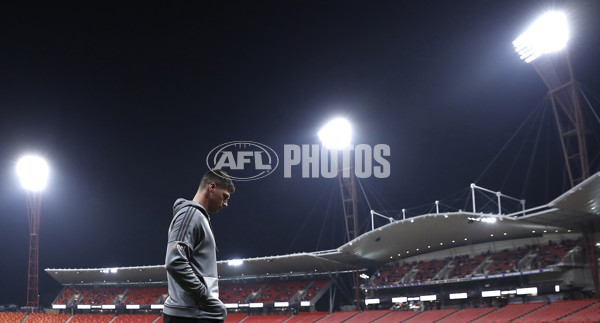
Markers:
(557, 73)
(34, 203)
(349, 201)
(348, 190)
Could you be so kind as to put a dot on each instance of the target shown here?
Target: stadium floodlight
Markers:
(33, 173)
(547, 34)
(336, 134)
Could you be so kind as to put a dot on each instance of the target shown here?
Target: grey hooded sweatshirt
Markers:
(191, 264)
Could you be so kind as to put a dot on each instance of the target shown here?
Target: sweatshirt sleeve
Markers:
(184, 234)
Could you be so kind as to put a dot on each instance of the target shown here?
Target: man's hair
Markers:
(219, 177)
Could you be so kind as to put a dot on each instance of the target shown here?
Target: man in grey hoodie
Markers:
(191, 260)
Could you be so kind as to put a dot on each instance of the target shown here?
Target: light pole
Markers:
(543, 45)
(336, 136)
(33, 173)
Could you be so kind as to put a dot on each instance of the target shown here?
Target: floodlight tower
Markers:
(33, 172)
(543, 45)
(336, 136)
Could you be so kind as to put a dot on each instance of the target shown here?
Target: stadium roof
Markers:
(405, 238)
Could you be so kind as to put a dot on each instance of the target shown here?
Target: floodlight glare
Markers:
(548, 34)
(33, 172)
(337, 134)
(235, 262)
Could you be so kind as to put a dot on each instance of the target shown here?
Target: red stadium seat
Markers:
(135, 318)
(510, 312)
(91, 318)
(278, 318)
(555, 311)
(307, 317)
(400, 316)
(586, 314)
(47, 318)
(469, 314)
(431, 316)
(235, 317)
(368, 316)
(11, 317)
(336, 317)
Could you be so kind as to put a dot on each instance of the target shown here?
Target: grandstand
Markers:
(447, 267)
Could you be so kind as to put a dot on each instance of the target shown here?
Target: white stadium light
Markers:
(256, 305)
(425, 298)
(548, 34)
(305, 303)
(488, 220)
(399, 299)
(490, 293)
(281, 304)
(370, 301)
(527, 291)
(109, 271)
(458, 296)
(235, 262)
(336, 134)
(33, 172)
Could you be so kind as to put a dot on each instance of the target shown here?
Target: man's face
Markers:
(218, 198)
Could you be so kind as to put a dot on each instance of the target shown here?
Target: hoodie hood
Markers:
(180, 203)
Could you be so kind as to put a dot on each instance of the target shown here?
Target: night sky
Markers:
(126, 101)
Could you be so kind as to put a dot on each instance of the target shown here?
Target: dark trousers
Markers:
(177, 319)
